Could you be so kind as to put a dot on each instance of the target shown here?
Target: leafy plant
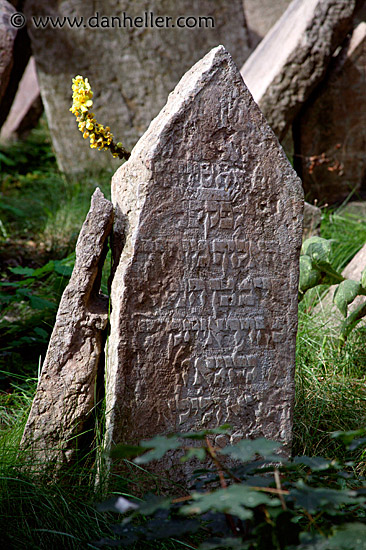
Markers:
(257, 501)
(316, 269)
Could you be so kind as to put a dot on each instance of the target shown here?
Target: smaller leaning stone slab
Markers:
(65, 392)
(293, 57)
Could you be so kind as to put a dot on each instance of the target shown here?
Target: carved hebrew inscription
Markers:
(204, 298)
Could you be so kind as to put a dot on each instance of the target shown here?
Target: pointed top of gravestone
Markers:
(184, 93)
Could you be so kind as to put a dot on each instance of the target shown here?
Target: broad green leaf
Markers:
(41, 333)
(227, 543)
(40, 303)
(309, 276)
(348, 437)
(319, 250)
(224, 429)
(363, 278)
(126, 451)
(315, 463)
(159, 445)
(61, 269)
(47, 268)
(345, 293)
(152, 503)
(234, 500)
(247, 449)
(157, 529)
(351, 321)
(351, 536)
(194, 452)
(27, 271)
(6, 160)
(314, 499)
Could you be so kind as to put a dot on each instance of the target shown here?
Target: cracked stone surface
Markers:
(204, 298)
(293, 57)
(65, 392)
(131, 70)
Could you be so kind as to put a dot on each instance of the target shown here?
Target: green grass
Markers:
(41, 213)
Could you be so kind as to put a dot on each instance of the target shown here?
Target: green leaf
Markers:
(224, 429)
(351, 536)
(228, 543)
(234, 500)
(159, 445)
(41, 333)
(6, 160)
(152, 503)
(363, 278)
(157, 529)
(314, 499)
(348, 437)
(319, 250)
(309, 276)
(61, 269)
(47, 268)
(351, 321)
(194, 452)
(126, 451)
(345, 293)
(247, 449)
(315, 463)
(27, 271)
(40, 303)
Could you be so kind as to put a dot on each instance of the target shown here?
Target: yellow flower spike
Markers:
(100, 137)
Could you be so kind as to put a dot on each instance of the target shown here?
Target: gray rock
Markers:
(131, 70)
(261, 15)
(312, 219)
(65, 394)
(331, 131)
(204, 298)
(293, 57)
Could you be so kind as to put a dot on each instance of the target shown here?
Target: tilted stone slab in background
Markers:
(26, 108)
(131, 70)
(293, 57)
(261, 15)
(14, 56)
(333, 124)
(312, 219)
(65, 392)
(204, 299)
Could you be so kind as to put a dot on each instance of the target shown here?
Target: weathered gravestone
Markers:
(131, 68)
(65, 394)
(293, 57)
(204, 298)
(330, 142)
(7, 39)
